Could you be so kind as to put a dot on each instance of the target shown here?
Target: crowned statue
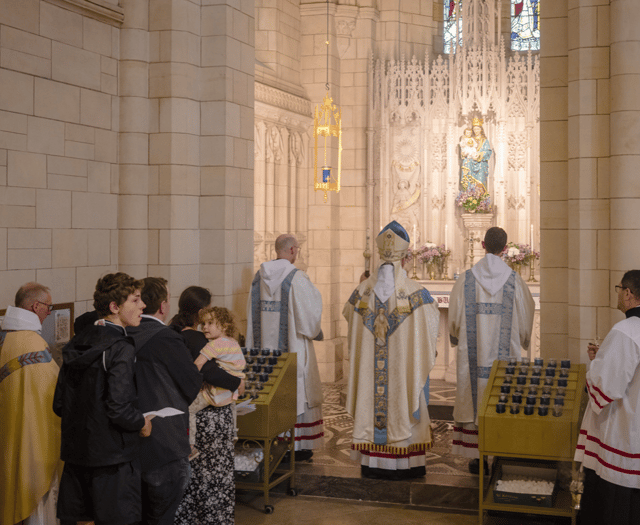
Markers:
(475, 152)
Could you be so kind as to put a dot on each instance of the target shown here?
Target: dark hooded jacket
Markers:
(96, 398)
(165, 377)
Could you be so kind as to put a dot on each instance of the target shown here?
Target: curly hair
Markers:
(220, 315)
(191, 301)
(113, 288)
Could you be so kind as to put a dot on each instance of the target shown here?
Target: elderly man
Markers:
(490, 317)
(393, 328)
(284, 313)
(30, 462)
(608, 446)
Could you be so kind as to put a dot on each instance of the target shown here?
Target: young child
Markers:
(468, 145)
(218, 327)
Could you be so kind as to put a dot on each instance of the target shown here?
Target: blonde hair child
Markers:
(218, 326)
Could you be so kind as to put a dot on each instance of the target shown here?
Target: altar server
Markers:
(608, 446)
(490, 317)
(393, 327)
(284, 313)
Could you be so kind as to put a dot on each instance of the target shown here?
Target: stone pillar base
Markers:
(476, 225)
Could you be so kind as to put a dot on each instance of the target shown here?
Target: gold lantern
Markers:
(327, 123)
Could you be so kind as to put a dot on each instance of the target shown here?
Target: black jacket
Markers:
(211, 371)
(96, 398)
(165, 377)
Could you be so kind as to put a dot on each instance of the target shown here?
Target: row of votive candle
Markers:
(528, 410)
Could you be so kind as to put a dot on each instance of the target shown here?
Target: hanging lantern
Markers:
(327, 123)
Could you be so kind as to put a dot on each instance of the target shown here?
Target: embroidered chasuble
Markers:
(284, 312)
(30, 430)
(392, 347)
(490, 318)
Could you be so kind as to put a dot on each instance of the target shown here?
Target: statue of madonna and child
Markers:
(475, 152)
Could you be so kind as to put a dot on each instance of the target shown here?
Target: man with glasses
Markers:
(28, 378)
(608, 446)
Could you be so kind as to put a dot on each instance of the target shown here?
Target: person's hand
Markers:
(146, 429)
(592, 350)
(241, 388)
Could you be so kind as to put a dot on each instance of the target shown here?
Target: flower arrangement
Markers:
(474, 199)
(432, 253)
(519, 254)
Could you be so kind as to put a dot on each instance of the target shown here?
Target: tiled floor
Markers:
(338, 425)
(332, 491)
(331, 473)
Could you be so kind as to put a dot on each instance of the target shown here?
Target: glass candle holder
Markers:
(516, 398)
(500, 408)
(545, 399)
(528, 410)
(543, 410)
(515, 408)
(538, 361)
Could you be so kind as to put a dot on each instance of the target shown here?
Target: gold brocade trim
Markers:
(387, 449)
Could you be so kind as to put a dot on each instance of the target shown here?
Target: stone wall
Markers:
(126, 143)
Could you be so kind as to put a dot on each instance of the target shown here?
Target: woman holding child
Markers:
(210, 495)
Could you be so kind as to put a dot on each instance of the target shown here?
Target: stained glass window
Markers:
(525, 25)
(452, 25)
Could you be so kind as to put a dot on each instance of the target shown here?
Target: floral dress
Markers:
(210, 495)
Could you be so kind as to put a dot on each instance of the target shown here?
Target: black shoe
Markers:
(304, 455)
(474, 467)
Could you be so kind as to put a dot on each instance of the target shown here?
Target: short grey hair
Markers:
(284, 242)
(29, 293)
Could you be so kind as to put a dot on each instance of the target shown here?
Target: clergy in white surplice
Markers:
(490, 317)
(393, 327)
(608, 445)
(284, 313)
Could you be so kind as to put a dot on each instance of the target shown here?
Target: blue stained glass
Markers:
(452, 25)
(525, 25)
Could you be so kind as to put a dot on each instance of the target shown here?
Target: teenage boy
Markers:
(101, 424)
